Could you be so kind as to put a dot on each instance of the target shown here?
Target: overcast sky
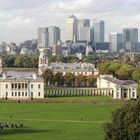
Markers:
(19, 19)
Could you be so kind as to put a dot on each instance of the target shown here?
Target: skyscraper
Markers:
(72, 28)
(98, 27)
(115, 42)
(54, 35)
(48, 36)
(130, 38)
(84, 30)
(43, 37)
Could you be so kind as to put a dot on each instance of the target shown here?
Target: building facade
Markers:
(75, 68)
(121, 89)
(54, 35)
(84, 30)
(21, 87)
(43, 37)
(99, 31)
(72, 28)
(115, 42)
(130, 38)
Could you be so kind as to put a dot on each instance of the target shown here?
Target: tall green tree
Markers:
(125, 123)
(125, 72)
(69, 79)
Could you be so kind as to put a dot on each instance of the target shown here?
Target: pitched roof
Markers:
(120, 82)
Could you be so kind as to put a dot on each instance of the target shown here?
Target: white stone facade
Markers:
(122, 89)
(21, 88)
(75, 68)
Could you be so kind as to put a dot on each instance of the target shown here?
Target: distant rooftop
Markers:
(120, 82)
(72, 16)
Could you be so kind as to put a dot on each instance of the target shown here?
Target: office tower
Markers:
(98, 29)
(42, 37)
(115, 42)
(72, 28)
(54, 35)
(84, 30)
(130, 38)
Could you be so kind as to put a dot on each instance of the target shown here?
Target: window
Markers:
(25, 93)
(6, 86)
(19, 85)
(6, 94)
(31, 86)
(12, 85)
(12, 93)
(19, 94)
(15, 85)
(15, 93)
(22, 85)
(39, 86)
(22, 93)
(25, 85)
(133, 94)
(39, 94)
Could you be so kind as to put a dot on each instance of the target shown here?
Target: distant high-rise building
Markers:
(43, 37)
(54, 35)
(115, 42)
(72, 28)
(84, 30)
(48, 36)
(130, 38)
(99, 31)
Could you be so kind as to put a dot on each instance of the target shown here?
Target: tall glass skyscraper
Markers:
(130, 38)
(115, 42)
(99, 31)
(84, 30)
(72, 28)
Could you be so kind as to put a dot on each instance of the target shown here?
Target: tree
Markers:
(69, 79)
(80, 80)
(125, 123)
(58, 78)
(104, 68)
(48, 77)
(125, 72)
(136, 75)
(91, 80)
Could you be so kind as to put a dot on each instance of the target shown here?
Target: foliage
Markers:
(69, 79)
(125, 123)
(136, 75)
(22, 61)
(125, 72)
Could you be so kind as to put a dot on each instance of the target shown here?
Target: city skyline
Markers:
(19, 20)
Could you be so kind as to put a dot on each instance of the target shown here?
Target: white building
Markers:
(75, 68)
(121, 89)
(21, 87)
(72, 28)
(115, 42)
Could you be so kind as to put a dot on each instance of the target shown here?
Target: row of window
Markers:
(21, 85)
(19, 94)
(23, 94)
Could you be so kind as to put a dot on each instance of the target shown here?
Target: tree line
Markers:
(22, 61)
(68, 79)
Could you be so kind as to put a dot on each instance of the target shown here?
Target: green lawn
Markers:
(101, 98)
(56, 121)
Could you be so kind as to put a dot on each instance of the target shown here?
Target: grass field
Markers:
(56, 121)
(101, 98)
